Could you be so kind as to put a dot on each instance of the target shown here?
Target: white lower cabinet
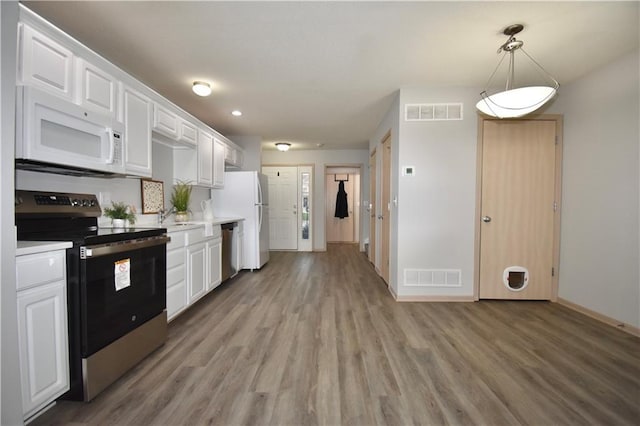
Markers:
(42, 329)
(194, 267)
(176, 278)
(196, 271)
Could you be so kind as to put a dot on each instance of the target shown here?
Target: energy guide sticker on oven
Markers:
(122, 278)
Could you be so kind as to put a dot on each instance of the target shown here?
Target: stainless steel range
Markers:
(116, 286)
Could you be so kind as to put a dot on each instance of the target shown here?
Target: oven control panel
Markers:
(43, 203)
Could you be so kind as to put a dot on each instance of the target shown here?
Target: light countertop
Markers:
(33, 247)
(173, 227)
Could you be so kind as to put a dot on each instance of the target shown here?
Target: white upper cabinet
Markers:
(239, 158)
(165, 122)
(233, 156)
(205, 158)
(96, 90)
(218, 163)
(187, 133)
(137, 112)
(45, 63)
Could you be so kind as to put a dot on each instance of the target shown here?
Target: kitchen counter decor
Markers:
(180, 200)
(120, 213)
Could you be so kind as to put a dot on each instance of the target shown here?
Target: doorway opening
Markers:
(342, 204)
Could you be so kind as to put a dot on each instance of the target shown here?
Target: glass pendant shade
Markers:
(515, 102)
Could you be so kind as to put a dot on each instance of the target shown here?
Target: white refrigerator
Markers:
(245, 194)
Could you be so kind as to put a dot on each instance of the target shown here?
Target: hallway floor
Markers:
(316, 338)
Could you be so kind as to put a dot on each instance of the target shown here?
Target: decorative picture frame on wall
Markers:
(152, 195)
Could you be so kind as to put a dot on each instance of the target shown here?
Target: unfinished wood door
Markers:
(385, 209)
(372, 208)
(517, 209)
(339, 230)
(283, 207)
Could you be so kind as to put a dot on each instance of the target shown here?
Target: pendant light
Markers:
(516, 102)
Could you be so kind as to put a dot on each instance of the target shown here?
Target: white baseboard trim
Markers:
(627, 328)
(393, 293)
(425, 298)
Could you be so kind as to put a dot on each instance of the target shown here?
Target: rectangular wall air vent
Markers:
(433, 277)
(433, 112)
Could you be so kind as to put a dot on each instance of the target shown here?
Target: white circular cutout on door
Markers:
(515, 278)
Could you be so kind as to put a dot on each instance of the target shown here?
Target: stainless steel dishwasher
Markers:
(227, 239)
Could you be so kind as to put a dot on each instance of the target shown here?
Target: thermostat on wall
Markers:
(408, 171)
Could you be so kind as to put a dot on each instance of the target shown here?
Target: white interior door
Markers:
(516, 237)
(283, 207)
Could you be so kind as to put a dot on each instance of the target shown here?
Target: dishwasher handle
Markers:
(122, 246)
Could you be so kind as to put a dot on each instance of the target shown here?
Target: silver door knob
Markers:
(486, 219)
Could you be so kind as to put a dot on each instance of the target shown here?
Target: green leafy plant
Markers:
(180, 196)
(120, 210)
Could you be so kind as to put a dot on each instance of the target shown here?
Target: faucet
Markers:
(163, 214)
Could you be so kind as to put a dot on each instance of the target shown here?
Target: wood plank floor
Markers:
(315, 338)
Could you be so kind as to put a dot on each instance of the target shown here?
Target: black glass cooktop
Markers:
(82, 231)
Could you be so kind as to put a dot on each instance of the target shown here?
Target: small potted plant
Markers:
(119, 213)
(180, 200)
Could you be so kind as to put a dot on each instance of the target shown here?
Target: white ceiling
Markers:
(324, 72)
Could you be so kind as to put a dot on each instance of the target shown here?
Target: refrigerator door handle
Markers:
(259, 190)
(260, 218)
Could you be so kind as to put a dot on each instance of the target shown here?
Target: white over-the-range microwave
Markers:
(56, 135)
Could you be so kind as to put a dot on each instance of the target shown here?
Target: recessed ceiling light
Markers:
(236, 113)
(283, 146)
(201, 88)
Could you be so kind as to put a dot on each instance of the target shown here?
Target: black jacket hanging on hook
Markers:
(342, 206)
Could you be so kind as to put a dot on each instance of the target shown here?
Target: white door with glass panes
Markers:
(283, 207)
(305, 186)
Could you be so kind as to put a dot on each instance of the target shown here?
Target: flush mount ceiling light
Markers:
(283, 146)
(201, 88)
(236, 113)
(516, 102)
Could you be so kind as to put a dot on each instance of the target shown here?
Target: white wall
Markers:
(319, 159)
(10, 391)
(436, 209)
(599, 247)
(252, 151)
(162, 169)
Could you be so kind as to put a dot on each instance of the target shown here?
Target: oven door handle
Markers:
(121, 246)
